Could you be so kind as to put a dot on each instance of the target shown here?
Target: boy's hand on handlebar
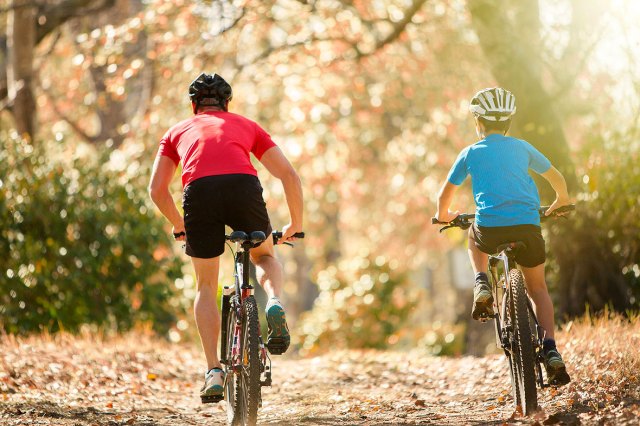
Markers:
(447, 216)
(558, 203)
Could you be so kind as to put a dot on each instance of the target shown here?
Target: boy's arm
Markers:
(557, 182)
(445, 196)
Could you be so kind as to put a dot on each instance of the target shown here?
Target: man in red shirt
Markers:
(221, 188)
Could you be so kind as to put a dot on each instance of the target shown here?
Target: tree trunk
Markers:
(21, 36)
(512, 49)
(509, 35)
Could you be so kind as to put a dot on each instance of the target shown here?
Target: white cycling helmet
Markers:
(493, 104)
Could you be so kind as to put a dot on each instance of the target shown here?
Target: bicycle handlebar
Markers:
(278, 235)
(463, 221)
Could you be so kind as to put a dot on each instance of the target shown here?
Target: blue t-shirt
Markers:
(504, 192)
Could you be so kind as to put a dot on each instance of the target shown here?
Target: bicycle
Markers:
(247, 365)
(518, 332)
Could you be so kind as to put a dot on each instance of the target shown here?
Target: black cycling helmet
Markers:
(211, 90)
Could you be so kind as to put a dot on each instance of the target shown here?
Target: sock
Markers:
(481, 276)
(214, 368)
(548, 344)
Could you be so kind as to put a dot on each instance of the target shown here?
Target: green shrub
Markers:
(79, 244)
(597, 258)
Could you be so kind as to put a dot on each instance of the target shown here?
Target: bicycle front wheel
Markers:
(248, 389)
(522, 351)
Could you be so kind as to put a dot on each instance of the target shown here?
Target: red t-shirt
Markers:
(215, 143)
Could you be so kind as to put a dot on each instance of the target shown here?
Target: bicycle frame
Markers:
(500, 287)
(242, 287)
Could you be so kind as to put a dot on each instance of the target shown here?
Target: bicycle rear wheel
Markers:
(248, 388)
(229, 321)
(522, 358)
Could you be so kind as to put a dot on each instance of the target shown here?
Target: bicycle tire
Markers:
(522, 350)
(231, 381)
(248, 388)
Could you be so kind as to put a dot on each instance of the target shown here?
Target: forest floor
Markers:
(138, 380)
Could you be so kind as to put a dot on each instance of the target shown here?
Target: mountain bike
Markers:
(247, 365)
(518, 332)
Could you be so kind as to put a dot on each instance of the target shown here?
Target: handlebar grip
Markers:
(563, 209)
(277, 235)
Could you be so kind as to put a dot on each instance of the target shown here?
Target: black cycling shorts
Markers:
(489, 238)
(212, 202)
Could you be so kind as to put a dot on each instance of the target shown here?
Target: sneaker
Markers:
(213, 390)
(278, 337)
(556, 370)
(482, 301)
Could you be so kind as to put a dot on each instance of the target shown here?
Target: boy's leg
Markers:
(208, 321)
(543, 306)
(479, 260)
(482, 295)
(271, 278)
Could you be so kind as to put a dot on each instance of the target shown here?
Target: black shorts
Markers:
(489, 238)
(212, 202)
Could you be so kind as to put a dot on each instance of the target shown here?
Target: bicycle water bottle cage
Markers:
(257, 237)
(511, 247)
(238, 237)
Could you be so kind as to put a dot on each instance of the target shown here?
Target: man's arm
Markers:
(278, 165)
(557, 182)
(163, 170)
(445, 196)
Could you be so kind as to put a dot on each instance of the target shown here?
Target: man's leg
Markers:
(482, 295)
(206, 308)
(268, 268)
(271, 277)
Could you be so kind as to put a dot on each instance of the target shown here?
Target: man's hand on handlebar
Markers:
(288, 232)
(179, 232)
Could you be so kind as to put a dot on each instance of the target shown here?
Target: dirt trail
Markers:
(139, 381)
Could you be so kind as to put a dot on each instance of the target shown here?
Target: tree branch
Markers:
(6, 9)
(56, 15)
(74, 125)
(401, 25)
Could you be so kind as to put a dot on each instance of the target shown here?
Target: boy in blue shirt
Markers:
(507, 204)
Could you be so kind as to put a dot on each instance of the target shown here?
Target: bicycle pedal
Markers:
(267, 380)
(277, 346)
(211, 399)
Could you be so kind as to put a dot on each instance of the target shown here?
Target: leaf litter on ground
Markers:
(140, 379)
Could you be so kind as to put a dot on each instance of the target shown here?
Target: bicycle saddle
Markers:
(238, 237)
(514, 246)
(256, 237)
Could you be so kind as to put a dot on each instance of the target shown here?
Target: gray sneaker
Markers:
(213, 390)
(482, 301)
(278, 337)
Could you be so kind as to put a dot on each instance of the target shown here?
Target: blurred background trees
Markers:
(369, 101)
